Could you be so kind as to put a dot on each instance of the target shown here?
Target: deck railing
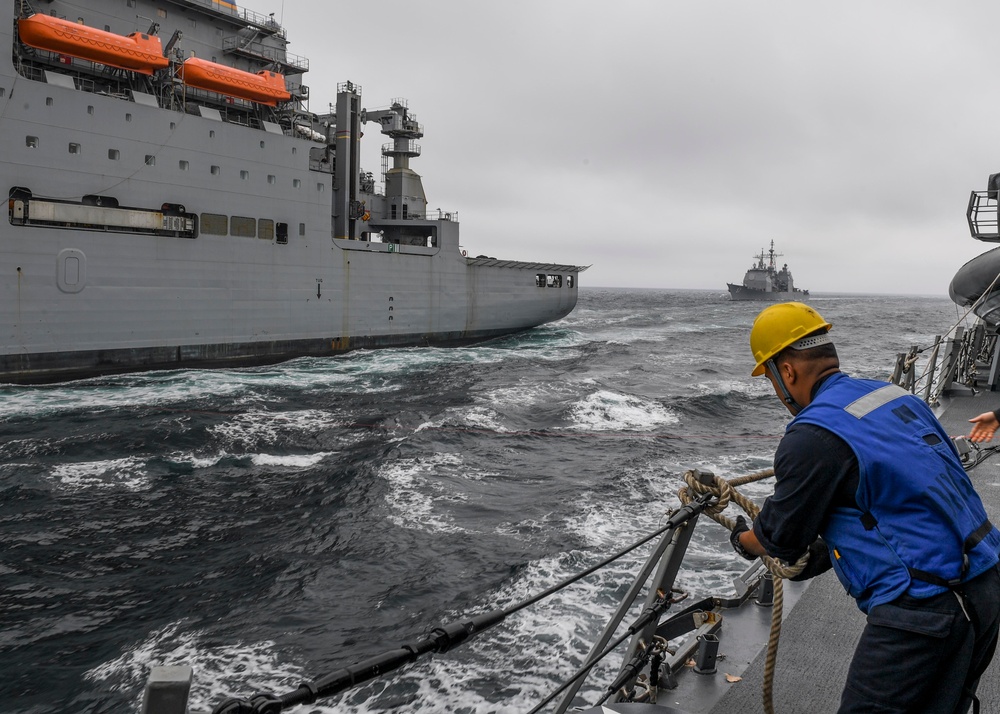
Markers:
(982, 216)
(969, 358)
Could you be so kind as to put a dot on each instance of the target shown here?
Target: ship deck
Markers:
(820, 632)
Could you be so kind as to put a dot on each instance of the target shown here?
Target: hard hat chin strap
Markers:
(793, 406)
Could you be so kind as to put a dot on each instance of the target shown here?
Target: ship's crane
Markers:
(404, 189)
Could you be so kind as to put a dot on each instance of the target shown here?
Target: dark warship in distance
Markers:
(766, 283)
(173, 202)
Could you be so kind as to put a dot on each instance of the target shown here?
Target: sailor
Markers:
(867, 480)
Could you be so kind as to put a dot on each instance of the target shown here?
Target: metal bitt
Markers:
(167, 690)
(765, 591)
(708, 652)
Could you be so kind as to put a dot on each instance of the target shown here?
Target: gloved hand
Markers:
(819, 561)
(734, 538)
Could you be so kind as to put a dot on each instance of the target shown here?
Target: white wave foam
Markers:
(528, 393)
(231, 670)
(258, 426)
(128, 473)
(416, 490)
(294, 461)
(197, 462)
(151, 389)
(745, 387)
(610, 411)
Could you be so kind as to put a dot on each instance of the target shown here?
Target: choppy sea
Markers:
(272, 525)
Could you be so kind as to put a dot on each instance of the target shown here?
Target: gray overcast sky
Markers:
(664, 142)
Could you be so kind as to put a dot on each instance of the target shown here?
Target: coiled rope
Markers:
(726, 492)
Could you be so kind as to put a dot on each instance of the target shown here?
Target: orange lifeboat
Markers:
(265, 87)
(138, 52)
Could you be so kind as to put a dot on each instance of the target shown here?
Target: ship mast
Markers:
(772, 255)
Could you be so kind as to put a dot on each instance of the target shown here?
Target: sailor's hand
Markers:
(819, 561)
(984, 427)
(734, 538)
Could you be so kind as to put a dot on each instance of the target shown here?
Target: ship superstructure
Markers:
(765, 282)
(173, 202)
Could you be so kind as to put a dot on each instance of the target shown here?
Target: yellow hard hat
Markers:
(780, 326)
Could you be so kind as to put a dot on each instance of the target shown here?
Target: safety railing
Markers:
(982, 216)
(970, 358)
(230, 10)
(261, 51)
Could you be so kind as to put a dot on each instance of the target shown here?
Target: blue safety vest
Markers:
(920, 528)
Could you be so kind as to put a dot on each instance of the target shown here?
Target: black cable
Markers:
(982, 454)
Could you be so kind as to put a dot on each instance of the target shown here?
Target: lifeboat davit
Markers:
(138, 52)
(264, 87)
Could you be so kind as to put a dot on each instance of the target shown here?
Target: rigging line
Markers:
(961, 319)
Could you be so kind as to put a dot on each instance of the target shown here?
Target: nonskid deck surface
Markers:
(820, 632)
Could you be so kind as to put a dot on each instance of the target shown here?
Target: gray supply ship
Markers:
(173, 203)
(764, 282)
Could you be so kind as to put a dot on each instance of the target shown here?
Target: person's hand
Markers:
(819, 561)
(984, 427)
(734, 538)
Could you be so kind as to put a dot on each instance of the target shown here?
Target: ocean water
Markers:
(271, 525)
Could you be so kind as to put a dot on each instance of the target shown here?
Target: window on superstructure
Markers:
(90, 110)
(302, 229)
(129, 3)
(282, 232)
(242, 226)
(216, 170)
(272, 179)
(569, 281)
(295, 150)
(214, 224)
(404, 211)
(296, 183)
(150, 160)
(114, 154)
(392, 211)
(48, 101)
(244, 175)
(160, 12)
(320, 187)
(74, 148)
(211, 133)
(265, 229)
(183, 165)
(128, 117)
(31, 142)
(3, 91)
(261, 143)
